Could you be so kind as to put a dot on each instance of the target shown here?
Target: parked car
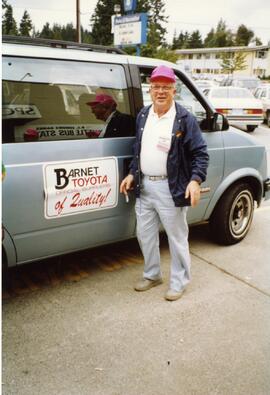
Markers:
(249, 82)
(204, 84)
(61, 191)
(263, 94)
(241, 108)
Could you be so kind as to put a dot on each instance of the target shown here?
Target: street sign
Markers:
(130, 5)
(130, 29)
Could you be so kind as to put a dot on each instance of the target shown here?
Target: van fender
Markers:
(9, 249)
(232, 178)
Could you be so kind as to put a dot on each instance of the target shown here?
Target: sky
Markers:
(184, 15)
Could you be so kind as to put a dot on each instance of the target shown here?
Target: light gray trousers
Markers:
(156, 205)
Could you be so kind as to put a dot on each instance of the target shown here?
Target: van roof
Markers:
(67, 50)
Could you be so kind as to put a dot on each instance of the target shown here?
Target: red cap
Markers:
(101, 99)
(163, 72)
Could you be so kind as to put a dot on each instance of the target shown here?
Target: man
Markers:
(116, 124)
(169, 164)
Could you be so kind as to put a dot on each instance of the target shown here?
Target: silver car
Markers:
(61, 190)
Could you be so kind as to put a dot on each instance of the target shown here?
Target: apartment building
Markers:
(208, 60)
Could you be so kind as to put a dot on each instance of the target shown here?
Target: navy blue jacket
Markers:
(187, 157)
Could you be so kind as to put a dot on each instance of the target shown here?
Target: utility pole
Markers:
(78, 21)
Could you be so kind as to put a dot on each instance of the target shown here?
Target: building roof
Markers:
(222, 49)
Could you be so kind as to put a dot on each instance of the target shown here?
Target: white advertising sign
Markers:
(130, 29)
(127, 33)
(80, 186)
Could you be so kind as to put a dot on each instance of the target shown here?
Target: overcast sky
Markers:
(183, 14)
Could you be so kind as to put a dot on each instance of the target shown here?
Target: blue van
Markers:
(64, 166)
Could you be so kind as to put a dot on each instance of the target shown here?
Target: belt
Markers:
(156, 178)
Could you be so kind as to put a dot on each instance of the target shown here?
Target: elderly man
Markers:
(116, 124)
(170, 162)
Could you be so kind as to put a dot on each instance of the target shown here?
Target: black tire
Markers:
(251, 128)
(6, 280)
(268, 119)
(232, 217)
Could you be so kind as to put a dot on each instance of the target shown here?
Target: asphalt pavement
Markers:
(92, 334)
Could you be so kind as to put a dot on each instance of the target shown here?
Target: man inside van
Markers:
(169, 164)
(116, 124)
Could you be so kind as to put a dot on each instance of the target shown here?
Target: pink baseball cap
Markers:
(101, 99)
(163, 72)
(31, 134)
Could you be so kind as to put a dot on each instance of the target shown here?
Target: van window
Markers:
(183, 96)
(45, 100)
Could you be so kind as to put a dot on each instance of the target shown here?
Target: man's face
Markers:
(99, 111)
(162, 93)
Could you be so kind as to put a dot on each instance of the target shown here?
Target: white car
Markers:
(239, 106)
(263, 94)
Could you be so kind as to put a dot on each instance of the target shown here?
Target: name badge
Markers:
(164, 144)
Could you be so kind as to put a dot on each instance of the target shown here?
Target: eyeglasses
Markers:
(163, 88)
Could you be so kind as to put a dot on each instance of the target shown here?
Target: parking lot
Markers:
(74, 325)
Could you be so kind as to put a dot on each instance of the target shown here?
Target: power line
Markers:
(208, 24)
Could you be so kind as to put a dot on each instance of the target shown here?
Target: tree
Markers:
(257, 41)
(101, 21)
(233, 62)
(221, 37)
(195, 40)
(9, 25)
(243, 35)
(26, 25)
(156, 21)
(181, 41)
(209, 41)
(46, 31)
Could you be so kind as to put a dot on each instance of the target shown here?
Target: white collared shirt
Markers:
(106, 124)
(156, 141)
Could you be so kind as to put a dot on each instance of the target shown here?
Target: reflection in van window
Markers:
(45, 100)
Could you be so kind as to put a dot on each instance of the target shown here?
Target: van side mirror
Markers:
(219, 122)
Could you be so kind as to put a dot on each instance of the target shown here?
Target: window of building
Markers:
(261, 54)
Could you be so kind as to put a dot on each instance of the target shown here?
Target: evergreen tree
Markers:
(182, 41)
(101, 21)
(243, 35)
(156, 21)
(68, 32)
(209, 41)
(26, 25)
(9, 25)
(46, 31)
(257, 41)
(195, 40)
(221, 37)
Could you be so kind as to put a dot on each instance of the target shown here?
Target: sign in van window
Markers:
(56, 132)
(80, 186)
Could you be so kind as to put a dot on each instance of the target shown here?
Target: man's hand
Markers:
(193, 191)
(127, 184)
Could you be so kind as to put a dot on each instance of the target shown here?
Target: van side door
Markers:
(65, 154)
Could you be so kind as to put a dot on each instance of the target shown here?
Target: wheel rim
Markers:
(241, 214)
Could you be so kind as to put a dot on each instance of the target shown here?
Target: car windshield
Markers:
(231, 93)
(250, 84)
